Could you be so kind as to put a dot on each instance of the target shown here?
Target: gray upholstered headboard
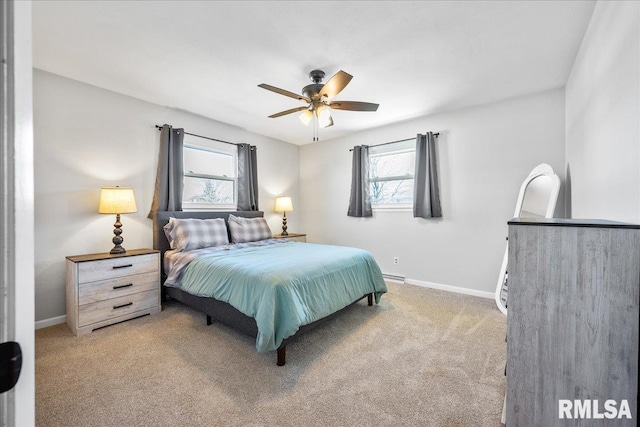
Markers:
(161, 219)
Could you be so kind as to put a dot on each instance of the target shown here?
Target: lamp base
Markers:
(117, 249)
(117, 239)
(284, 224)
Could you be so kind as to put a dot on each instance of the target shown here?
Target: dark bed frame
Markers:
(219, 310)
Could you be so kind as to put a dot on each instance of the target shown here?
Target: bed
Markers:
(273, 290)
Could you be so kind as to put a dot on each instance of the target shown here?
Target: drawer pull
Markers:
(115, 307)
(128, 285)
(122, 266)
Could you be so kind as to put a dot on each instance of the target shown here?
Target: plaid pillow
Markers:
(248, 229)
(167, 231)
(189, 234)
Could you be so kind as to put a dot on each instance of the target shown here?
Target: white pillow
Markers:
(248, 229)
(190, 234)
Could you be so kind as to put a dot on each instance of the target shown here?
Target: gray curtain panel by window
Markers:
(359, 201)
(168, 192)
(426, 194)
(247, 178)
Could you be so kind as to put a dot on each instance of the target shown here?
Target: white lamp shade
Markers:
(283, 204)
(324, 116)
(306, 117)
(117, 200)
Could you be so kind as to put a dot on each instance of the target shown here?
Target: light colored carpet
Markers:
(421, 358)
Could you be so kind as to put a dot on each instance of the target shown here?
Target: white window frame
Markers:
(386, 151)
(195, 143)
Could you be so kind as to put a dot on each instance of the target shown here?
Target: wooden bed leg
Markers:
(209, 322)
(282, 352)
(370, 299)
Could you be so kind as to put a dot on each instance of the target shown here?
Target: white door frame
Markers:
(16, 208)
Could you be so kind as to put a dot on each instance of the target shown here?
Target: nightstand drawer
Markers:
(115, 307)
(90, 292)
(116, 267)
(103, 289)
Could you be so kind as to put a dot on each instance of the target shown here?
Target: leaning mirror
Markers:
(537, 199)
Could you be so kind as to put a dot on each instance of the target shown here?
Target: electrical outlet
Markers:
(396, 260)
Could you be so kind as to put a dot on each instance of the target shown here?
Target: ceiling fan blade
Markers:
(353, 106)
(284, 113)
(284, 92)
(335, 84)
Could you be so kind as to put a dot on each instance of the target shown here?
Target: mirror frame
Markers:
(542, 169)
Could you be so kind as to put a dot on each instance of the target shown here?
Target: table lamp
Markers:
(283, 204)
(117, 200)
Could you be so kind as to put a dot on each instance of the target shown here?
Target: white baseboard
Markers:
(394, 278)
(449, 288)
(50, 322)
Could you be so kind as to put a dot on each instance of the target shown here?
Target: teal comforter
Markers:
(285, 286)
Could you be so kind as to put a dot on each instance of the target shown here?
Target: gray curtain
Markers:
(359, 201)
(426, 194)
(247, 178)
(169, 178)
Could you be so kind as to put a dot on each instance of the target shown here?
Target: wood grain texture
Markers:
(90, 292)
(83, 330)
(118, 267)
(116, 307)
(99, 295)
(573, 320)
(72, 295)
(107, 255)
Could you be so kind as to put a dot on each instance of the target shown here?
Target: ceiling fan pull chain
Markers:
(315, 128)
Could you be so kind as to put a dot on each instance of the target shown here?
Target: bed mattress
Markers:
(281, 284)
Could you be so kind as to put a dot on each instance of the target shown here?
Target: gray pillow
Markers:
(248, 229)
(189, 234)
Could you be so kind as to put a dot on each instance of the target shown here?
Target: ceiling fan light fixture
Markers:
(319, 98)
(324, 116)
(306, 117)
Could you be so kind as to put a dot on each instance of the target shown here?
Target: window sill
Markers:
(209, 208)
(392, 208)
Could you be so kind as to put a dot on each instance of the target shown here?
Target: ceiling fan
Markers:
(318, 97)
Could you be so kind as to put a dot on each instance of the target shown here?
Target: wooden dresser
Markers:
(572, 321)
(103, 289)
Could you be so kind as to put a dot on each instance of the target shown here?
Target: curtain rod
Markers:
(393, 142)
(204, 137)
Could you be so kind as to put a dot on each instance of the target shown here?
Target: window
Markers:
(391, 170)
(210, 175)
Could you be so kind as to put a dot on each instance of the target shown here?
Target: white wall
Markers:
(603, 116)
(87, 138)
(484, 152)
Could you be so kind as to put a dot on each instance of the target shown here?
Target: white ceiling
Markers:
(413, 58)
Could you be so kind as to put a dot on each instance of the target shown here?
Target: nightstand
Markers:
(298, 237)
(103, 289)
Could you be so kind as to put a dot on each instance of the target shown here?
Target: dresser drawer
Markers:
(117, 267)
(115, 307)
(90, 292)
(104, 288)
